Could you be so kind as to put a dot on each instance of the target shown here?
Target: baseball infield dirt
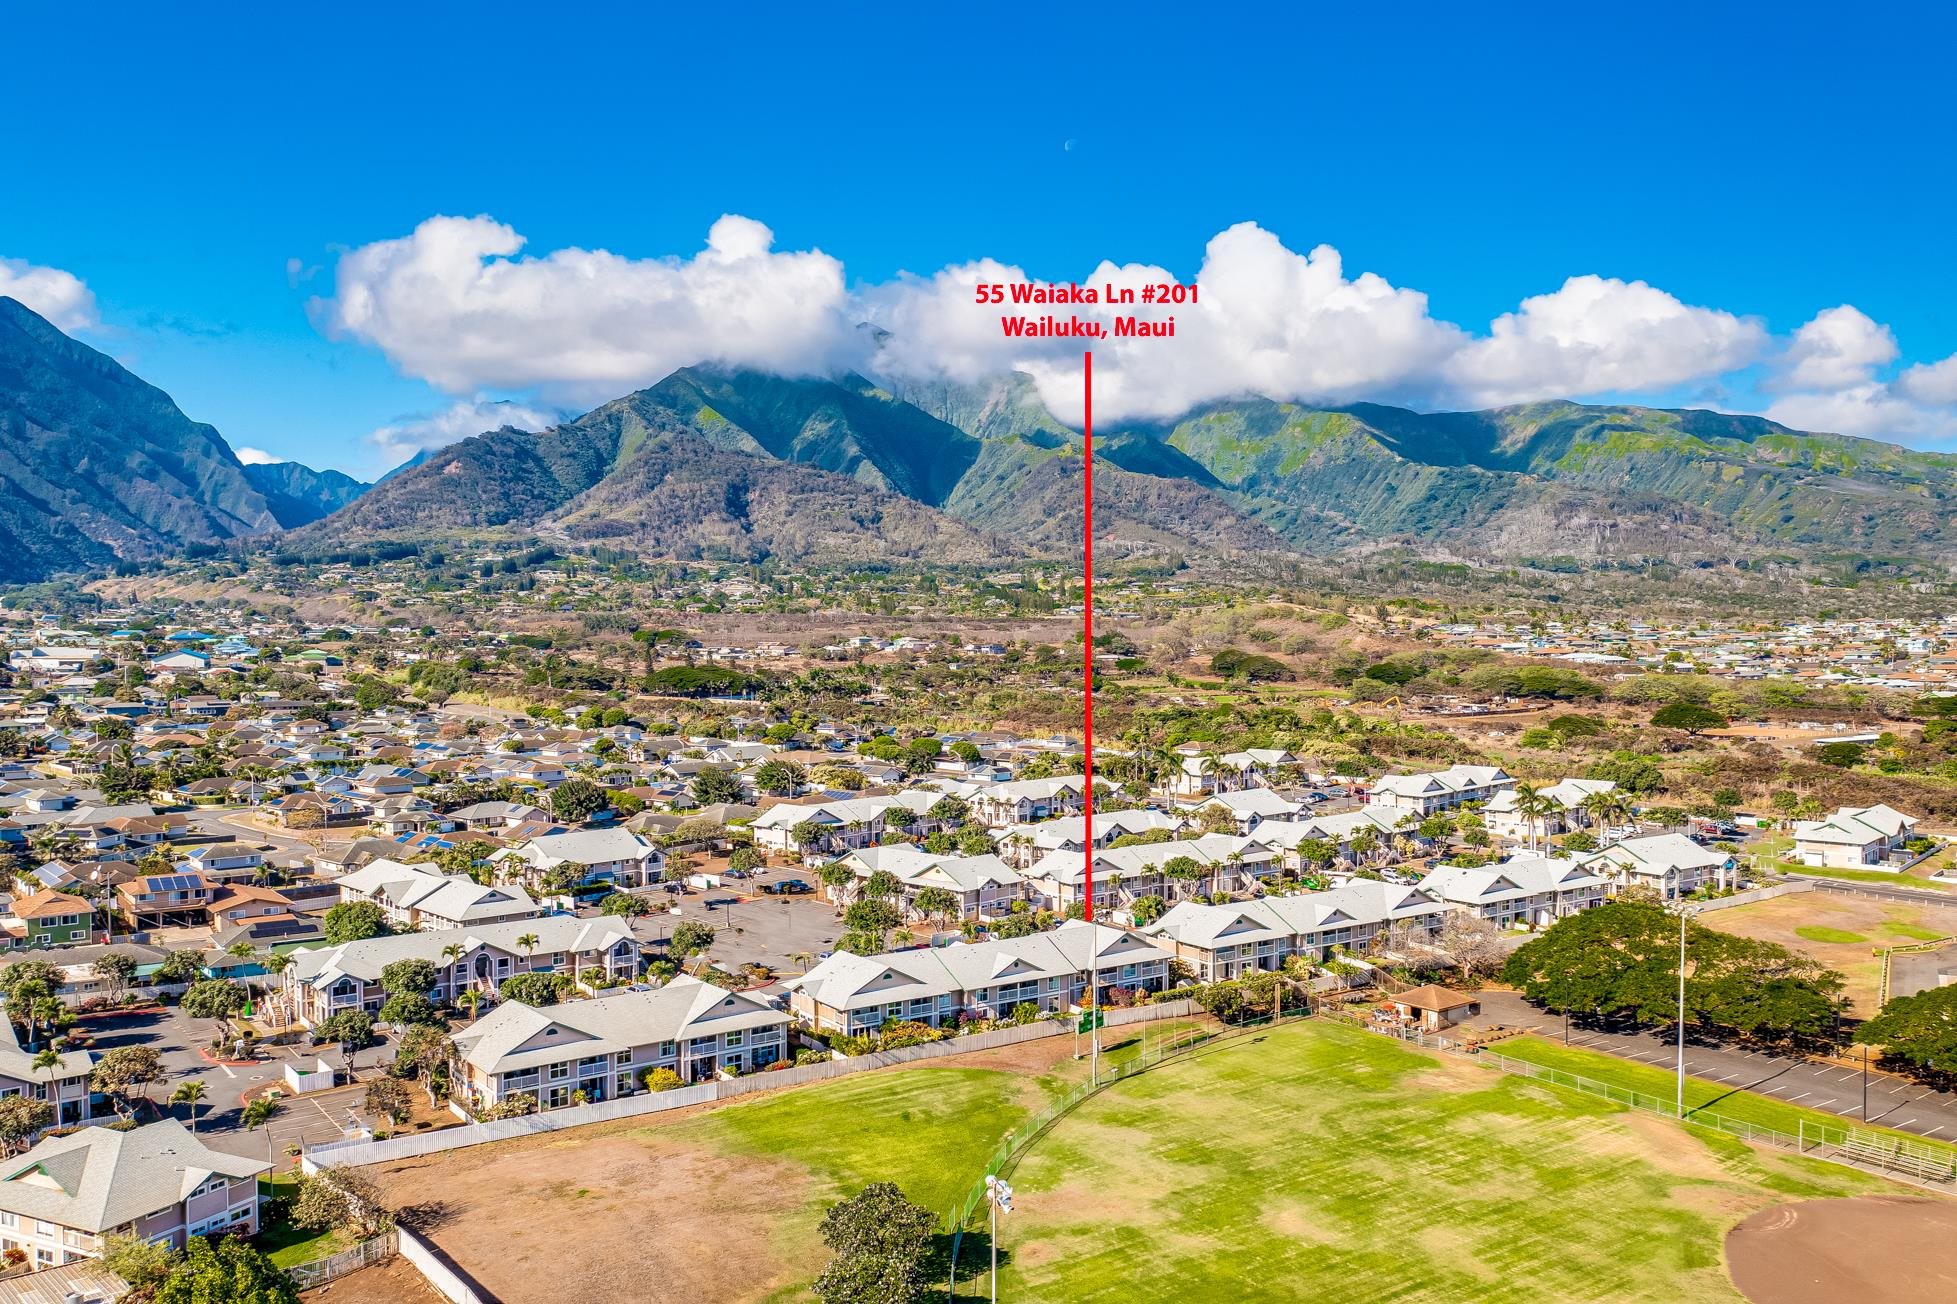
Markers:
(1882, 1249)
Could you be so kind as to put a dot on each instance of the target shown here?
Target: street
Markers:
(1893, 1102)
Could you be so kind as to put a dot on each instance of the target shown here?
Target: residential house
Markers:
(1022, 845)
(64, 1085)
(597, 1049)
(1121, 874)
(415, 896)
(618, 857)
(48, 918)
(1566, 800)
(1229, 941)
(1670, 864)
(1855, 837)
(1531, 891)
(984, 886)
(1199, 774)
(162, 900)
(1249, 807)
(60, 1200)
(320, 982)
(942, 986)
(1023, 801)
(1439, 790)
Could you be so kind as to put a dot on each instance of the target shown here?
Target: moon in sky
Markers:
(1067, 145)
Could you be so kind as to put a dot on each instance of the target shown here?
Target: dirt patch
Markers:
(480, 1207)
(1452, 1073)
(1873, 1250)
(1671, 1148)
(393, 1282)
(1879, 922)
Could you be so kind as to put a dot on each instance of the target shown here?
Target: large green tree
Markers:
(880, 1243)
(1919, 1030)
(354, 921)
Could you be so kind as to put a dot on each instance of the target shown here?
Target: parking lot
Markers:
(177, 1037)
(751, 927)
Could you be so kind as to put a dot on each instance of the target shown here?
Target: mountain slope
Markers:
(1230, 480)
(690, 468)
(299, 495)
(1571, 478)
(97, 465)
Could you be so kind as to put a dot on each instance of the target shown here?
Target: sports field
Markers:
(1310, 1160)
(1843, 932)
(1326, 1161)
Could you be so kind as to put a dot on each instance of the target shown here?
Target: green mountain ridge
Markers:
(299, 495)
(101, 467)
(98, 466)
(1244, 477)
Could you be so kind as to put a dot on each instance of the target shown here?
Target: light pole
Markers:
(1684, 913)
(999, 1196)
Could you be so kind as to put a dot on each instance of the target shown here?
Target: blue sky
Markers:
(203, 173)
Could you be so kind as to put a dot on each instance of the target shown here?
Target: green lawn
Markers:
(289, 1246)
(1822, 933)
(1322, 1161)
(1700, 1094)
(1866, 876)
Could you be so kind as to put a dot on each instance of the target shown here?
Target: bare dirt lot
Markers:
(393, 1282)
(1843, 932)
(1873, 1250)
(716, 1203)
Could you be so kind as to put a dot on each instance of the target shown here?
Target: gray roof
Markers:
(846, 981)
(365, 959)
(99, 1178)
(515, 1036)
(18, 1064)
(448, 896)
(1360, 902)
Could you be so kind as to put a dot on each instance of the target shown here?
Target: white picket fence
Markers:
(335, 1154)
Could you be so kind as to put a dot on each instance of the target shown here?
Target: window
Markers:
(558, 1072)
(734, 1040)
(665, 1050)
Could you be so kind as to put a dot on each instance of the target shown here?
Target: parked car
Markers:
(787, 887)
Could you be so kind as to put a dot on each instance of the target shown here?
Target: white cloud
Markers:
(1840, 349)
(398, 441)
(454, 305)
(1827, 380)
(1931, 382)
(1599, 335)
(457, 304)
(257, 456)
(59, 296)
(1872, 410)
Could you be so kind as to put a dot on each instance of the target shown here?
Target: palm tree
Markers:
(529, 944)
(802, 959)
(259, 1112)
(189, 1093)
(472, 999)
(1533, 806)
(49, 1058)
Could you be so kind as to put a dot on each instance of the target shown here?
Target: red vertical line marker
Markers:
(1087, 620)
